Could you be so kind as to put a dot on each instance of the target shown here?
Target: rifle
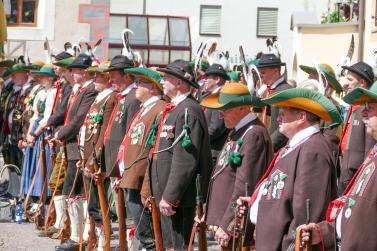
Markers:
(156, 225)
(103, 202)
(244, 245)
(308, 245)
(202, 226)
(123, 246)
(39, 216)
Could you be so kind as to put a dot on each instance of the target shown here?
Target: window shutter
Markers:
(210, 19)
(267, 22)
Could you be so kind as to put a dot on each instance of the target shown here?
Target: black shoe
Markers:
(69, 245)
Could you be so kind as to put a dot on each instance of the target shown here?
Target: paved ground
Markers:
(24, 237)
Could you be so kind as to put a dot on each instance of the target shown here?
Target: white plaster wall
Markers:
(58, 21)
(238, 20)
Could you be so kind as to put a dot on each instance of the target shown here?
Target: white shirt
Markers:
(50, 98)
(301, 137)
(147, 105)
(245, 120)
(180, 98)
(128, 89)
(103, 94)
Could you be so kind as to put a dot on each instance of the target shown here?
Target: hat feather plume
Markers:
(47, 51)
(126, 51)
(345, 60)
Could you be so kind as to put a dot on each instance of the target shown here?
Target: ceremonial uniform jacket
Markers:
(173, 171)
(135, 151)
(359, 213)
(5, 91)
(77, 111)
(126, 107)
(19, 129)
(95, 124)
(256, 151)
(217, 131)
(358, 145)
(60, 109)
(306, 172)
(278, 139)
(10, 103)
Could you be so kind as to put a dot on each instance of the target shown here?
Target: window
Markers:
(23, 13)
(159, 39)
(267, 22)
(210, 19)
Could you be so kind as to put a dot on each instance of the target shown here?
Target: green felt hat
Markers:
(233, 75)
(146, 74)
(36, 65)
(65, 62)
(329, 74)
(47, 70)
(231, 95)
(360, 96)
(16, 68)
(307, 100)
(102, 68)
(7, 63)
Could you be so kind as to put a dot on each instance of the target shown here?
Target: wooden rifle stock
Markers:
(123, 246)
(200, 213)
(308, 245)
(103, 203)
(39, 217)
(156, 225)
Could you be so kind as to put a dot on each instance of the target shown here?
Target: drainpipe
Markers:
(361, 30)
(144, 7)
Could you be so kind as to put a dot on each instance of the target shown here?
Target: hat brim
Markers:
(212, 102)
(271, 65)
(307, 100)
(44, 74)
(168, 71)
(360, 96)
(118, 68)
(149, 79)
(330, 79)
(10, 72)
(72, 66)
(215, 73)
(359, 73)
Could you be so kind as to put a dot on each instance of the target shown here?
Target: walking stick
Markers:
(123, 246)
(103, 202)
(308, 245)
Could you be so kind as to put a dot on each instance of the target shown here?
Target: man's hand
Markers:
(241, 208)
(309, 231)
(41, 128)
(222, 237)
(165, 208)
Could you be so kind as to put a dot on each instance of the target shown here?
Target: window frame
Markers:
(277, 21)
(201, 16)
(150, 47)
(19, 16)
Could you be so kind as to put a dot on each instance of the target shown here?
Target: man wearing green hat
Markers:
(302, 171)
(5, 89)
(91, 138)
(10, 134)
(215, 78)
(78, 107)
(243, 159)
(63, 91)
(181, 152)
(351, 219)
(133, 153)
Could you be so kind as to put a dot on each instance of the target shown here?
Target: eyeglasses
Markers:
(368, 106)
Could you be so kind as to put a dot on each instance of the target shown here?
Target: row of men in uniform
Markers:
(178, 137)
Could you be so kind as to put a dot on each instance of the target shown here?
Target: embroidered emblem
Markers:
(363, 180)
(137, 133)
(167, 132)
(225, 152)
(276, 185)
